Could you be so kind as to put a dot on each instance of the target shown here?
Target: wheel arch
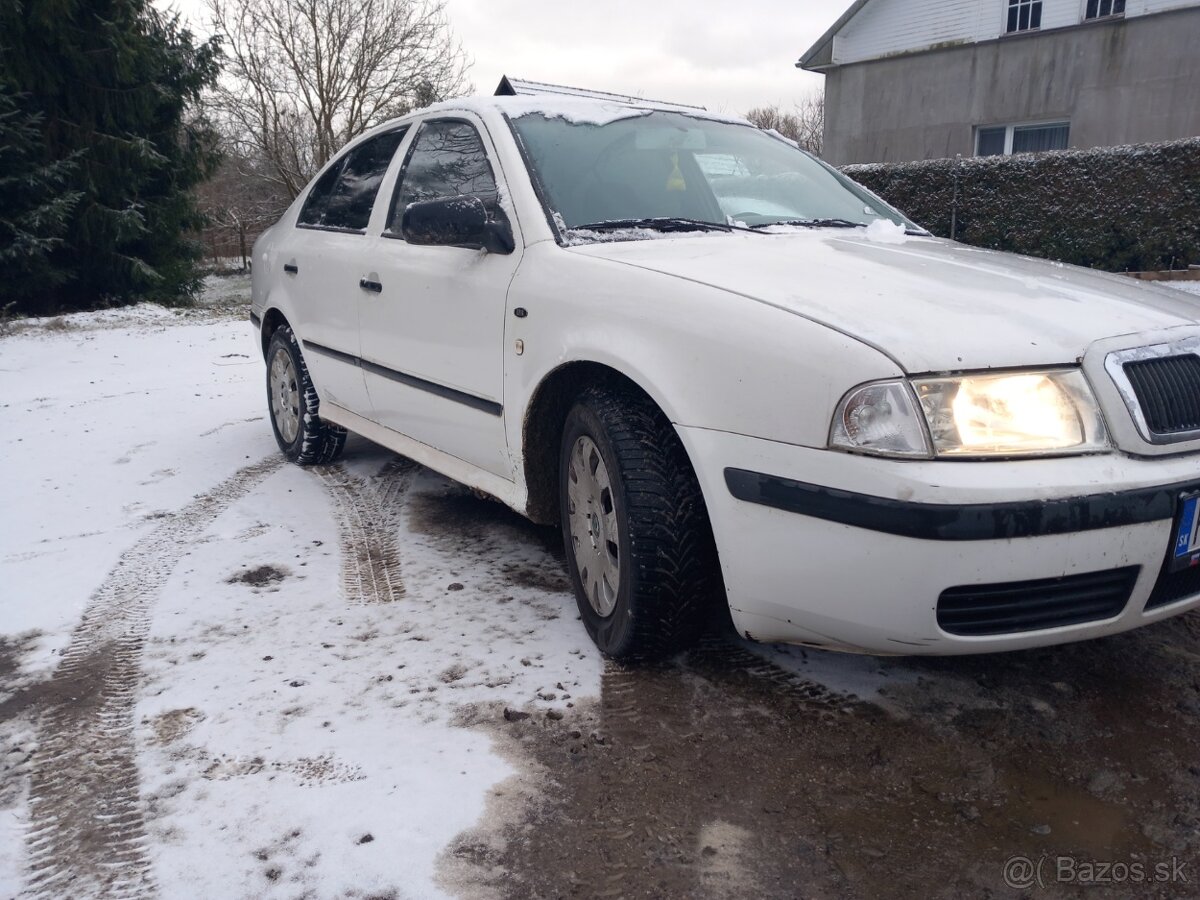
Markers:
(677, 547)
(541, 429)
(272, 319)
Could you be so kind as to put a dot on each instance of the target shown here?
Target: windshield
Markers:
(652, 168)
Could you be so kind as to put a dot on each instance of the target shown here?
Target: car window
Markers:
(344, 196)
(663, 164)
(314, 206)
(447, 160)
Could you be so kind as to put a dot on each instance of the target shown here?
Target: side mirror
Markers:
(456, 222)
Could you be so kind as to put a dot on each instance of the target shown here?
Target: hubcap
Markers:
(285, 395)
(595, 535)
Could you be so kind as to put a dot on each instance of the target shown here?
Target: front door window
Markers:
(447, 160)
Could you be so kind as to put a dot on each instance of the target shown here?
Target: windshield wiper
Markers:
(815, 223)
(659, 223)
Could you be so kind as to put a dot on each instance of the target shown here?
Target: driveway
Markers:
(221, 676)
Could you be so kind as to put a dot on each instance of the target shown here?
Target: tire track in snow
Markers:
(86, 835)
(368, 518)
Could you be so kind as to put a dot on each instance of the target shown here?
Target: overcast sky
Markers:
(728, 56)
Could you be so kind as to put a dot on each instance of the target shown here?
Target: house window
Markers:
(1040, 138)
(1099, 9)
(1001, 140)
(1024, 15)
(991, 141)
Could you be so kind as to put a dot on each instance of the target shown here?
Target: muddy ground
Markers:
(719, 775)
(1071, 771)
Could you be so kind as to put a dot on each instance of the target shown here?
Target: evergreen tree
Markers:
(111, 84)
(34, 204)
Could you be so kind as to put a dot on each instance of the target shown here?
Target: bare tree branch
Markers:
(303, 77)
(238, 203)
(805, 124)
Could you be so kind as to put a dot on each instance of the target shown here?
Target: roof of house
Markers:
(820, 54)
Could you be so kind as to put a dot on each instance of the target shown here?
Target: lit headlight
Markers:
(1005, 414)
(1012, 414)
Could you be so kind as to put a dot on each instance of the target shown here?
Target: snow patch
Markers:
(291, 739)
(881, 231)
(574, 111)
(1188, 287)
(578, 237)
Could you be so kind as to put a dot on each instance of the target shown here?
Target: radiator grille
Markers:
(1019, 606)
(1168, 392)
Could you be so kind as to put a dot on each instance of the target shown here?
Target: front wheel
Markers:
(294, 406)
(639, 544)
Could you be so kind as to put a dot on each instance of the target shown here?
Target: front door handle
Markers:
(373, 286)
(291, 268)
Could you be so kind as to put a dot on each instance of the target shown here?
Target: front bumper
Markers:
(854, 552)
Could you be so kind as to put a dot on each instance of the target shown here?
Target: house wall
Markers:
(1116, 81)
(889, 27)
(1141, 7)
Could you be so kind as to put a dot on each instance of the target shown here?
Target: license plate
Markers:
(1187, 534)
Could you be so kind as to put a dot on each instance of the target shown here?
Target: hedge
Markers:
(1116, 208)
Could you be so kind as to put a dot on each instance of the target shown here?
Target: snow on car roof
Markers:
(576, 110)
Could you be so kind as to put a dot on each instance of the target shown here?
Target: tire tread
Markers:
(319, 442)
(677, 579)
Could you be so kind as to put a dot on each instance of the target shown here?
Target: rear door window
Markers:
(344, 196)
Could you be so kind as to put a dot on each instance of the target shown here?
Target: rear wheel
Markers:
(639, 545)
(294, 406)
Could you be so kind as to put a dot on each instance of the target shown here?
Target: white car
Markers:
(735, 377)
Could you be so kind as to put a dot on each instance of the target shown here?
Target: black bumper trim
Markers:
(256, 321)
(430, 387)
(958, 522)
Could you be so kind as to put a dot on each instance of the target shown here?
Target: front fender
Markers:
(709, 358)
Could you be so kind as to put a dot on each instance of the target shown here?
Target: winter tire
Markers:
(293, 405)
(638, 541)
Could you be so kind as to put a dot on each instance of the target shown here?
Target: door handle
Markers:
(374, 287)
(291, 268)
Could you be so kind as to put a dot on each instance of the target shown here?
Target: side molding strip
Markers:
(431, 387)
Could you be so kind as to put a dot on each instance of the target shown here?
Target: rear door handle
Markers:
(374, 287)
(291, 268)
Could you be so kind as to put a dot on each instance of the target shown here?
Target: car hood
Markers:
(931, 305)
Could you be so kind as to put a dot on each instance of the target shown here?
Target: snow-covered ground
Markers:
(1192, 287)
(282, 653)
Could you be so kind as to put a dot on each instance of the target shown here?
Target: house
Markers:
(925, 79)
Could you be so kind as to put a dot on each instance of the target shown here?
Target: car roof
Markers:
(578, 110)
